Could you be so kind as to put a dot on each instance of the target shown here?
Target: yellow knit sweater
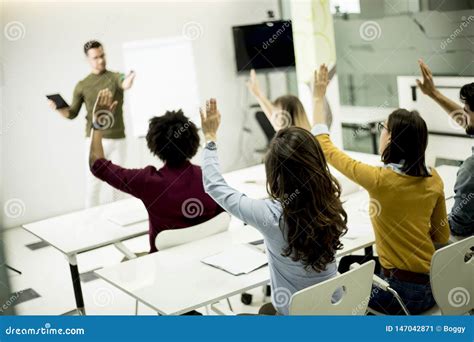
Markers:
(412, 214)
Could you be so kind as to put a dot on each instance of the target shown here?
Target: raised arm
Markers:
(363, 174)
(262, 100)
(127, 83)
(260, 214)
(428, 88)
(104, 106)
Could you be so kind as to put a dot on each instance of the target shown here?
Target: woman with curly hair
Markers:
(303, 219)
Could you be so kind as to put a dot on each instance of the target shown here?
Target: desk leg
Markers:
(76, 283)
(373, 134)
(369, 252)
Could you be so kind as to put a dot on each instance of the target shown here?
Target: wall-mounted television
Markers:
(268, 45)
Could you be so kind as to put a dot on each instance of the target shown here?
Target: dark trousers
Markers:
(416, 297)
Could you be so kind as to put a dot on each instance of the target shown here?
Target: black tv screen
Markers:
(264, 46)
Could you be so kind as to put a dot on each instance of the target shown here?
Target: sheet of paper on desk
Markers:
(239, 259)
(128, 217)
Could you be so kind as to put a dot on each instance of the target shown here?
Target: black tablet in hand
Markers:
(58, 100)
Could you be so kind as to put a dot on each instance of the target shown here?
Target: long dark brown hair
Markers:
(313, 219)
(408, 142)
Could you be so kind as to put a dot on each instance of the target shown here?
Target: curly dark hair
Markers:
(172, 138)
(313, 219)
(467, 95)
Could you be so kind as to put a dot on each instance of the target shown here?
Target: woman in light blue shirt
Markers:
(303, 219)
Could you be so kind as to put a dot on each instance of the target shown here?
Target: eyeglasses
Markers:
(381, 127)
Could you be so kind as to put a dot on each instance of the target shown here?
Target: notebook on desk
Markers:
(237, 260)
(128, 217)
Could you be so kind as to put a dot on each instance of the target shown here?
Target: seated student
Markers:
(173, 195)
(461, 218)
(303, 220)
(285, 111)
(413, 210)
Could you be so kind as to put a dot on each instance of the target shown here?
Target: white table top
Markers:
(252, 180)
(364, 115)
(88, 229)
(174, 281)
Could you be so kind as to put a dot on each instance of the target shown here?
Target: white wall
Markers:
(43, 154)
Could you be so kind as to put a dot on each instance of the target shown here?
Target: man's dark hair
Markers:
(91, 44)
(467, 95)
(172, 138)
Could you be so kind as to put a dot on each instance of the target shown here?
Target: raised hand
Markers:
(210, 120)
(104, 104)
(128, 80)
(252, 84)
(427, 86)
(321, 81)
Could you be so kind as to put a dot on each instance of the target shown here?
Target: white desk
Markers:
(85, 230)
(175, 281)
(252, 180)
(365, 118)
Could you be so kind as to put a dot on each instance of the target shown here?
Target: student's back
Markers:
(173, 195)
(405, 210)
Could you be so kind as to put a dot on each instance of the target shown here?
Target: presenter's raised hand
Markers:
(128, 80)
(210, 120)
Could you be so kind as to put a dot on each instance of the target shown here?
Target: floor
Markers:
(45, 288)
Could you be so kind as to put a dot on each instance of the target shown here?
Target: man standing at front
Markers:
(112, 124)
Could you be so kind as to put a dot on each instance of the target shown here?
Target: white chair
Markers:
(317, 299)
(175, 237)
(451, 279)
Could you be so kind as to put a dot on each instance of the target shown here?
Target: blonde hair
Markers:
(292, 105)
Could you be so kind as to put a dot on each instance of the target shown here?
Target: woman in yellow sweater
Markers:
(413, 210)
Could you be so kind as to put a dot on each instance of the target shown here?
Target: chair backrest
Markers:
(356, 286)
(174, 237)
(265, 125)
(452, 277)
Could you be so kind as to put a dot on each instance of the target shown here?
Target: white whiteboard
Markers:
(165, 80)
(435, 116)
